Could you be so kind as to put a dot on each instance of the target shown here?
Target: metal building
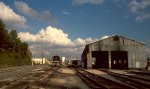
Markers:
(114, 52)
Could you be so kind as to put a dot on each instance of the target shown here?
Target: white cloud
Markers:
(50, 35)
(80, 41)
(134, 6)
(80, 2)
(65, 13)
(10, 18)
(138, 7)
(143, 17)
(89, 40)
(104, 37)
(26, 10)
(55, 42)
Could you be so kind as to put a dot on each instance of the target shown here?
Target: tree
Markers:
(14, 40)
(13, 52)
(24, 48)
(13, 35)
(2, 25)
(4, 38)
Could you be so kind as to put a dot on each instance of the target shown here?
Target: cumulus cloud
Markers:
(138, 7)
(80, 2)
(50, 35)
(10, 18)
(81, 42)
(28, 11)
(55, 42)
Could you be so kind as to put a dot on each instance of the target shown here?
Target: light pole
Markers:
(41, 49)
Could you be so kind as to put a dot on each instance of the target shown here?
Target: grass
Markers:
(13, 59)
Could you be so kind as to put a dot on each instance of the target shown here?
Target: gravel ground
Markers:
(63, 78)
(15, 72)
(103, 74)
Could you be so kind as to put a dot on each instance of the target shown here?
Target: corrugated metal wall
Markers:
(136, 53)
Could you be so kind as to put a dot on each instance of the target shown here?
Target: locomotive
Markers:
(56, 61)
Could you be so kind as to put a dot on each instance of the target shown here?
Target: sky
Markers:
(66, 26)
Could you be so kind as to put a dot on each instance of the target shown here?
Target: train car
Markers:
(56, 61)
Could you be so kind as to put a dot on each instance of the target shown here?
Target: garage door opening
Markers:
(101, 59)
(119, 60)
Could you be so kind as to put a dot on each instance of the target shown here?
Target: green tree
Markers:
(13, 35)
(4, 38)
(24, 48)
(13, 52)
(15, 41)
(2, 25)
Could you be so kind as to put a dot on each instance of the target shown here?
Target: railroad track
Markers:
(97, 82)
(140, 73)
(10, 70)
(137, 82)
(29, 80)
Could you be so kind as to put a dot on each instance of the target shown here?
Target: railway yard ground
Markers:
(40, 77)
(48, 77)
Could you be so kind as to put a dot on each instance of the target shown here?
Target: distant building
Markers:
(74, 62)
(63, 60)
(39, 61)
(114, 52)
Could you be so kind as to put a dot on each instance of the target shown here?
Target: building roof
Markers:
(117, 36)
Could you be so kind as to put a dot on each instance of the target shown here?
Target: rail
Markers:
(137, 82)
(101, 82)
(26, 81)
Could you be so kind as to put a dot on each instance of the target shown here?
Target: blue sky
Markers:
(83, 18)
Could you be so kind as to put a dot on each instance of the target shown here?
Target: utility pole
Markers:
(41, 48)
(42, 45)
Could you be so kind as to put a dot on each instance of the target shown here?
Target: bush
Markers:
(13, 59)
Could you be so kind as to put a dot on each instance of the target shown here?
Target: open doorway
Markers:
(119, 60)
(101, 58)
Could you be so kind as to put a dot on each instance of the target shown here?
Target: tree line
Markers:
(13, 52)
